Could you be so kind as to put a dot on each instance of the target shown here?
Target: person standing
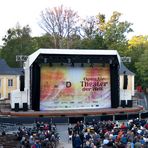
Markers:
(77, 143)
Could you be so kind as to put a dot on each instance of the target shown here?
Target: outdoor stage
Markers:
(73, 112)
(72, 83)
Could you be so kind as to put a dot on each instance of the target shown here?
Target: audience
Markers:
(98, 134)
(42, 135)
(109, 134)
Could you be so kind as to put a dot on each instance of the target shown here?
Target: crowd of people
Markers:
(109, 134)
(41, 135)
(97, 134)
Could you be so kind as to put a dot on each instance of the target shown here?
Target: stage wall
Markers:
(67, 87)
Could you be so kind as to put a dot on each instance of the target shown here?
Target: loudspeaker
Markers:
(22, 84)
(16, 107)
(123, 103)
(125, 81)
(25, 106)
(129, 103)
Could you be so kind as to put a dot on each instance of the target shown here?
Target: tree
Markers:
(137, 50)
(17, 41)
(61, 23)
(44, 41)
(142, 68)
(114, 31)
(88, 28)
(90, 39)
(96, 42)
(136, 47)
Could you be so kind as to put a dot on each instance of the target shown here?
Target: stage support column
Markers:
(35, 87)
(114, 118)
(139, 116)
(84, 120)
(114, 79)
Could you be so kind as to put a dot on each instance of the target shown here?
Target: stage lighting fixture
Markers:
(50, 64)
(69, 60)
(45, 60)
(103, 64)
(110, 61)
(82, 64)
(72, 64)
(91, 64)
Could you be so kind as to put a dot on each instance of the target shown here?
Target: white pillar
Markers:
(133, 85)
(4, 86)
(27, 81)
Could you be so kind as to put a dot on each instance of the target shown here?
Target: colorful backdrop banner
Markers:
(65, 87)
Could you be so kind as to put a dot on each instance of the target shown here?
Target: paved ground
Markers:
(64, 145)
(62, 130)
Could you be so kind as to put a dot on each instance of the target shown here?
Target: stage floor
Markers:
(74, 112)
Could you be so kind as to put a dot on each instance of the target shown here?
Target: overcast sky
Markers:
(27, 12)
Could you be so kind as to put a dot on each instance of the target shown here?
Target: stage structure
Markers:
(63, 79)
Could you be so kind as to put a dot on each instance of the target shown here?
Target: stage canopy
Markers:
(88, 52)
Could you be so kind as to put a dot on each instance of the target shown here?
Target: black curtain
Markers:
(114, 79)
(22, 82)
(125, 81)
(35, 87)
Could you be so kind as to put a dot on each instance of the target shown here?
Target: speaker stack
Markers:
(25, 106)
(129, 103)
(123, 103)
(16, 107)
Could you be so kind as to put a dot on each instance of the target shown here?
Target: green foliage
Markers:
(45, 41)
(114, 31)
(17, 42)
(138, 50)
(142, 68)
(96, 43)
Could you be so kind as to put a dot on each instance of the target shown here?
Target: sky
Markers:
(27, 12)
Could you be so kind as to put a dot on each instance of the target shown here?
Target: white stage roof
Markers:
(33, 56)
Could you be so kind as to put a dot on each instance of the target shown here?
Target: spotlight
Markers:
(69, 60)
(110, 61)
(91, 64)
(45, 60)
(82, 64)
(72, 64)
(50, 64)
(103, 64)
